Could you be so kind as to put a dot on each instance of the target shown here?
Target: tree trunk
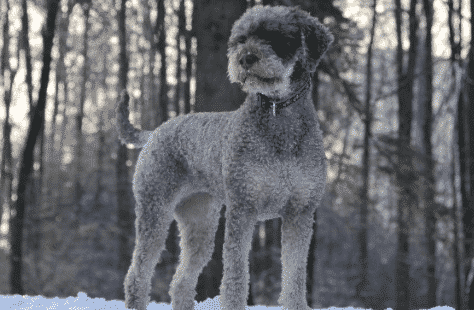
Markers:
(149, 113)
(405, 175)
(210, 278)
(78, 190)
(190, 59)
(53, 153)
(430, 218)
(178, 94)
(455, 46)
(214, 92)
(124, 196)
(457, 253)
(6, 177)
(17, 219)
(463, 174)
(468, 217)
(362, 286)
(26, 48)
(463, 147)
(161, 34)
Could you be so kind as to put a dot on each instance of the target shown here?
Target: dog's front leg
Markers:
(240, 223)
(297, 228)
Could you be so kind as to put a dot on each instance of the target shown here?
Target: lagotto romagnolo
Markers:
(262, 161)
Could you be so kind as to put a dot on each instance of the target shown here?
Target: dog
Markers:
(262, 161)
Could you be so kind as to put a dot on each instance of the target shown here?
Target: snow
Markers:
(83, 302)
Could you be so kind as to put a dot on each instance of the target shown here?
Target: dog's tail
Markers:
(127, 133)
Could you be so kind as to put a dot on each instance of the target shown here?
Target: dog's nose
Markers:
(248, 60)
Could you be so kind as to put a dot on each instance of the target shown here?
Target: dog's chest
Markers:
(273, 186)
(276, 163)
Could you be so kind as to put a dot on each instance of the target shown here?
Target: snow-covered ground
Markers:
(83, 302)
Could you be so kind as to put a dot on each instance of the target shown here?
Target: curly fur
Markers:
(262, 161)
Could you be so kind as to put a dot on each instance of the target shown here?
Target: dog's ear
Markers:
(317, 39)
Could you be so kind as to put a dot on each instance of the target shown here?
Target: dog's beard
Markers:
(259, 79)
(278, 86)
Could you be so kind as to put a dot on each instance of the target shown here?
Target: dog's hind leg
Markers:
(297, 228)
(151, 231)
(198, 218)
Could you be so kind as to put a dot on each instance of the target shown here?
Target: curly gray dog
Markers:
(264, 160)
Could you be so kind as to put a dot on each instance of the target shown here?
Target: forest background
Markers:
(396, 225)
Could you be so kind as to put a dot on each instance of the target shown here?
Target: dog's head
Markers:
(271, 47)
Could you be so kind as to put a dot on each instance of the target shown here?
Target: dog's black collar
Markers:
(275, 104)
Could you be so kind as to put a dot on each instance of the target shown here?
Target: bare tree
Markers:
(362, 286)
(462, 130)
(405, 175)
(26, 46)
(160, 32)
(457, 253)
(180, 34)
(78, 192)
(429, 210)
(455, 45)
(468, 155)
(61, 80)
(188, 34)
(463, 149)
(214, 92)
(26, 163)
(149, 114)
(124, 195)
(6, 177)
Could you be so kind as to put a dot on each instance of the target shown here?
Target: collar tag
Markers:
(274, 108)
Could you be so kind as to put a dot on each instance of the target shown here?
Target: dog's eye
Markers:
(284, 47)
(237, 41)
(241, 39)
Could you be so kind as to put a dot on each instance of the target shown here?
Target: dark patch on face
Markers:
(315, 50)
(298, 71)
(317, 41)
(283, 40)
